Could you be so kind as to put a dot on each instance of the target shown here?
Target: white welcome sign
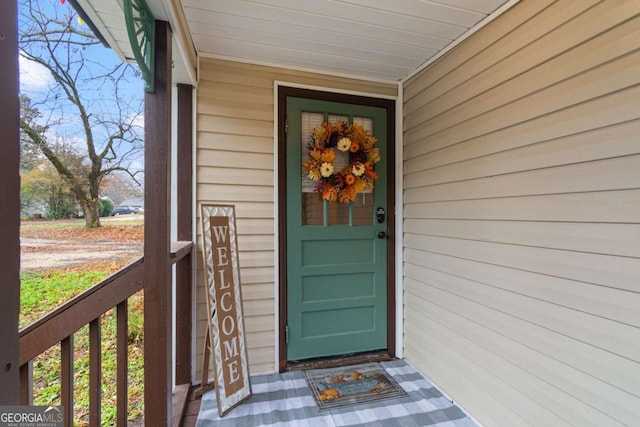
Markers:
(224, 307)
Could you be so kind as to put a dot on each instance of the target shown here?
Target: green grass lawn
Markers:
(41, 293)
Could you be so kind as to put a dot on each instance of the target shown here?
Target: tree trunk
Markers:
(91, 215)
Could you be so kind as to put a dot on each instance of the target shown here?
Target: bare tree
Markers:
(92, 107)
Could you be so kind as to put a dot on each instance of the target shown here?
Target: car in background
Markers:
(124, 210)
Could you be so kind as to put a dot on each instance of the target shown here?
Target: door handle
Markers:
(382, 235)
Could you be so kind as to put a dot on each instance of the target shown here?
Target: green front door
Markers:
(336, 252)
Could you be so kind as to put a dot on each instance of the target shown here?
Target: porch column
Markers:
(184, 267)
(157, 266)
(10, 206)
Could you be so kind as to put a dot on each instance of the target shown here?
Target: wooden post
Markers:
(157, 267)
(184, 267)
(10, 206)
(26, 384)
(66, 379)
(95, 373)
(122, 363)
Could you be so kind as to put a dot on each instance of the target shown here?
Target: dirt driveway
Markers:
(51, 249)
(49, 254)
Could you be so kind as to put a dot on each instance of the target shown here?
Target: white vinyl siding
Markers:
(522, 217)
(235, 165)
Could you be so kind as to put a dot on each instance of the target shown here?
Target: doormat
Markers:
(351, 385)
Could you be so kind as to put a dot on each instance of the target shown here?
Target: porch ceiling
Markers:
(377, 39)
(373, 39)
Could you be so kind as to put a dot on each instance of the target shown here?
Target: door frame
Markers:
(283, 91)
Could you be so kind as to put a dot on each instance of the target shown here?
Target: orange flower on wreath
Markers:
(328, 155)
(362, 185)
(349, 179)
(330, 193)
(348, 194)
(368, 171)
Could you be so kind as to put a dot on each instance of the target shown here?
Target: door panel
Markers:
(336, 264)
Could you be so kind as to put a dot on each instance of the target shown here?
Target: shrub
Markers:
(106, 207)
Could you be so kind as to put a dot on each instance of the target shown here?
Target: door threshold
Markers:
(336, 361)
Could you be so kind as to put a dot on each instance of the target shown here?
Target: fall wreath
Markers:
(358, 176)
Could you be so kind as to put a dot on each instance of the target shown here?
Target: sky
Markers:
(33, 77)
